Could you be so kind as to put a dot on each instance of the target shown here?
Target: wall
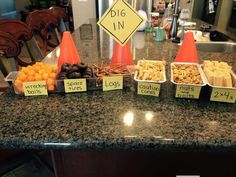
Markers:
(7, 6)
(187, 4)
(7, 9)
(20, 4)
(224, 14)
(198, 9)
(82, 11)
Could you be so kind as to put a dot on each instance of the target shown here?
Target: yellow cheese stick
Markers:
(218, 79)
(228, 81)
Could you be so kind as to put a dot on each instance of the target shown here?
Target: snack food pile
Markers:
(153, 71)
(75, 71)
(109, 70)
(186, 74)
(37, 72)
(218, 73)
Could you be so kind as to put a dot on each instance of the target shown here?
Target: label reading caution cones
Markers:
(112, 83)
(186, 91)
(150, 89)
(35, 88)
(120, 21)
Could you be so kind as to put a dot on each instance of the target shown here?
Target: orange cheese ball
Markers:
(45, 76)
(52, 75)
(30, 79)
(18, 82)
(50, 82)
(31, 72)
(22, 76)
(38, 77)
(51, 87)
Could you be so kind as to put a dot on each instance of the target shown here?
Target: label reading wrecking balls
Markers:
(35, 88)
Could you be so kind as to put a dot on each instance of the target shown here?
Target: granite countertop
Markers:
(119, 120)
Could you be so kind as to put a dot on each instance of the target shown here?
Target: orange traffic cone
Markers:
(122, 55)
(188, 50)
(68, 51)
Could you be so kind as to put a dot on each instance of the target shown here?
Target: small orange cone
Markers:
(68, 51)
(122, 55)
(188, 50)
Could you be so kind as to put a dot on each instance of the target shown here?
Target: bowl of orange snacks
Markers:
(33, 73)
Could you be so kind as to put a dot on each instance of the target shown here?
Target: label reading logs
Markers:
(35, 88)
(112, 83)
(151, 89)
(75, 85)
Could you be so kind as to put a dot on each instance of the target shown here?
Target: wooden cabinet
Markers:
(143, 164)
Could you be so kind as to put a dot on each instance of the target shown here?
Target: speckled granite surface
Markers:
(119, 119)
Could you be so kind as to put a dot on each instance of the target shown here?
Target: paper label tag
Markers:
(150, 89)
(112, 83)
(186, 91)
(75, 85)
(223, 95)
(120, 21)
(35, 88)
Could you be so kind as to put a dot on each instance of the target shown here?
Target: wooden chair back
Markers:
(9, 48)
(21, 34)
(18, 29)
(39, 22)
(62, 16)
(59, 12)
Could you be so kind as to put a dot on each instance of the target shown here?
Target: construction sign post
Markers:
(120, 21)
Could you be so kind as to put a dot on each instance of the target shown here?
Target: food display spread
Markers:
(218, 74)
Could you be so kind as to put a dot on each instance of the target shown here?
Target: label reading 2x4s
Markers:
(223, 95)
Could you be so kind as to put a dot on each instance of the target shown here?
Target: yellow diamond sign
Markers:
(120, 21)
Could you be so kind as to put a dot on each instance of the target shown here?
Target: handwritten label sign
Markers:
(185, 91)
(112, 83)
(75, 85)
(120, 21)
(223, 95)
(150, 89)
(35, 88)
